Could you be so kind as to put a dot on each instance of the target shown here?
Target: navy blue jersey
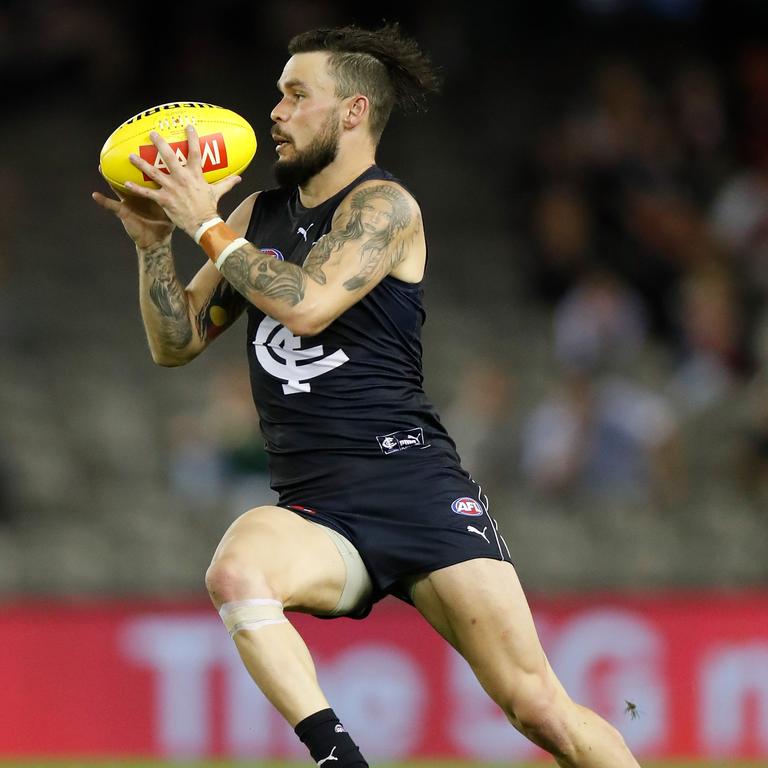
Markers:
(354, 389)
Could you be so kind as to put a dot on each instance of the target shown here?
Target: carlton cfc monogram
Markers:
(280, 354)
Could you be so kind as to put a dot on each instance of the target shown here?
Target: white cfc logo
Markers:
(279, 353)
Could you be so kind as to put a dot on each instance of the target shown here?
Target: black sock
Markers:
(327, 741)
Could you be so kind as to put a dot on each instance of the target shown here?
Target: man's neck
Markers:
(332, 179)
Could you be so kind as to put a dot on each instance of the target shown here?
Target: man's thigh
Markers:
(480, 608)
(296, 560)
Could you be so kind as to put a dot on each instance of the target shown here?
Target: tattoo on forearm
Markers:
(249, 271)
(222, 308)
(167, 295)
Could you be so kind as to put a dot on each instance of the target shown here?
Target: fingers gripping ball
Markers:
(227, 142)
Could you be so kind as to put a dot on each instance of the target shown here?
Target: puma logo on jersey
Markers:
(304, 232)
(472, 529)
(280, 354)
(330, 757)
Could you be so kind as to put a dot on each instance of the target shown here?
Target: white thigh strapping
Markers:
(358, 585)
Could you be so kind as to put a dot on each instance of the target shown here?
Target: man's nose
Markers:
(278, 113)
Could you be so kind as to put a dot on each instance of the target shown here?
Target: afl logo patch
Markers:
(467, 506)
(273, 252)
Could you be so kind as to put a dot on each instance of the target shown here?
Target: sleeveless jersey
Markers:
(353, 391)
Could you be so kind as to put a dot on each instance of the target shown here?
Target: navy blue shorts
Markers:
(405, 517)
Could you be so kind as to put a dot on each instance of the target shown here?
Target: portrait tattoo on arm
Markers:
(168, 296)
(319, 255)
(376, 218)
(222, 308)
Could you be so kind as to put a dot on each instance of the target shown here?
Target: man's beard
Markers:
(318, 155)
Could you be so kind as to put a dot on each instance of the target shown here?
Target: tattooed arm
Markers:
(180, 322)
(376, 231)
(164, 307)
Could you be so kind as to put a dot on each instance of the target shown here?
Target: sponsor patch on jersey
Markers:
(467, 506)
(273, 252)
(401, 441)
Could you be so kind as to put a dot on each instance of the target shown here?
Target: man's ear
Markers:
(356, 109)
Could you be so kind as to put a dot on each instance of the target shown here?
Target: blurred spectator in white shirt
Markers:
(711, 344)
(599, 321)
(609, 437)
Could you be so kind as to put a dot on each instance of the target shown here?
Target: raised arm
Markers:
(179, 322)
(376, 231)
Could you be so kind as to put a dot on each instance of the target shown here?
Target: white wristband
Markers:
(205, 226)
(229, 250)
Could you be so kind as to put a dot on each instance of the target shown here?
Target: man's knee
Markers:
(241, 569)
(242, 596)
(538, 708)
(271, 553)
(231, 577)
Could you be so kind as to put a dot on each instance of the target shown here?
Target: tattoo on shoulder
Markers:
(222, 308)
(376, 217)
(267, 276)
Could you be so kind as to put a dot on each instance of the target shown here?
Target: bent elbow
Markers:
(306, 321)
(300, 328)
(165, 360)
(306, 326)
(168, 362)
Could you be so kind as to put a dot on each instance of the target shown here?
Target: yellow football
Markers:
(227, 142)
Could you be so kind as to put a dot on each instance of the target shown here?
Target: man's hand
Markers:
(145, 221)
(184, 194)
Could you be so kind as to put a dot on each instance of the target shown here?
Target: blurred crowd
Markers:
(644, 211)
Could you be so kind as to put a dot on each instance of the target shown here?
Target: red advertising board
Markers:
(116, 678)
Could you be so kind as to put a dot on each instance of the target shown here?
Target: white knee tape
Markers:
(251, 614)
